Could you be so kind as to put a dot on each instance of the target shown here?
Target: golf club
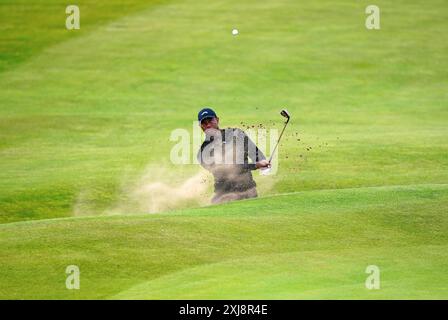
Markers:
(267, 170)
(285, 114)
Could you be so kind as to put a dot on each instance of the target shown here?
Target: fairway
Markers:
(85, 123)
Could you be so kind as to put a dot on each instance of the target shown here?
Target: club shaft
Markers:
(278, 141)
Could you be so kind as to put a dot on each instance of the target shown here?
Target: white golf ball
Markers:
(235, 32)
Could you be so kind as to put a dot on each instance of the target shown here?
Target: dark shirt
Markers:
(226, 155)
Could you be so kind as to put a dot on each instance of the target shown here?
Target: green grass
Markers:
(28, 28)
(83, 113)
(314, 244)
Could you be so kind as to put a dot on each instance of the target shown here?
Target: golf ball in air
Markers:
(235, 32)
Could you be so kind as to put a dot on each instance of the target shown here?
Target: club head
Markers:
(285, 114)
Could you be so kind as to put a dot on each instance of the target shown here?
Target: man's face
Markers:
(210, 123)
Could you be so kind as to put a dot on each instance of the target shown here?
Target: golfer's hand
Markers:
(262, 164)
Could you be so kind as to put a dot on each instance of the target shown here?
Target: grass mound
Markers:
(314, 244)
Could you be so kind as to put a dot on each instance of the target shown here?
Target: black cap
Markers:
(206, 113)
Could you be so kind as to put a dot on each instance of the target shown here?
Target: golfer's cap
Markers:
(206, 113)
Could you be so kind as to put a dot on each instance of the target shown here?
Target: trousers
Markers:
(226, 197)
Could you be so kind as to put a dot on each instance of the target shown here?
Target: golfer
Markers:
(225, 153)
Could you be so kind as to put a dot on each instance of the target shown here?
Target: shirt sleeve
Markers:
(253, 152)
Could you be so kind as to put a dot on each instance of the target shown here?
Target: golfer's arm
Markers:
(254, 154)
